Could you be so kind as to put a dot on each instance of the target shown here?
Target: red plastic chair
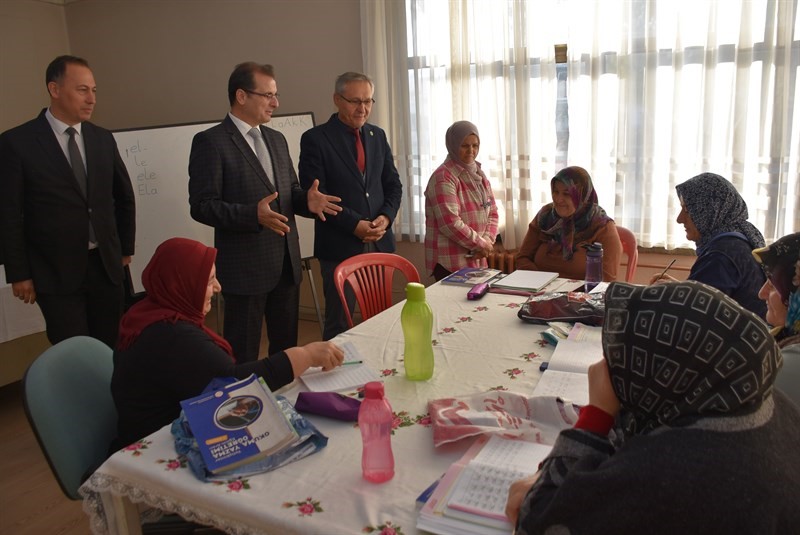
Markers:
(629, 246)
(370, 276)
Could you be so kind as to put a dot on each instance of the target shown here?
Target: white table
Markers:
(479, 346)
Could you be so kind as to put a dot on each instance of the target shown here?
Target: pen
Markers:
(666, 268)
(349, 362)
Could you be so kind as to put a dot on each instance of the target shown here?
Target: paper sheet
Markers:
(343, 377)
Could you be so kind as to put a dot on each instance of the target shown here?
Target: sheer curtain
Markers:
(657, 91)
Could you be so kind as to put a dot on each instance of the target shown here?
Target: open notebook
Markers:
(352, 374)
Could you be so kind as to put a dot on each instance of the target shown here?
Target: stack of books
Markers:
(238, 424)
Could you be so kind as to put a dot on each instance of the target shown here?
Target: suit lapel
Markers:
(90, 145)
(345, 151)
(247, 152)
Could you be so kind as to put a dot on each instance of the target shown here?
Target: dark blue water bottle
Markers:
(594, 265)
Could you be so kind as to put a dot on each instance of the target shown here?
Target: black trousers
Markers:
(94, 310)
(244, 315)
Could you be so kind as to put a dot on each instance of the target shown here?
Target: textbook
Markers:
(238, 423)
(470, 276)
(524, 280)
(566, 374)
(471, 497)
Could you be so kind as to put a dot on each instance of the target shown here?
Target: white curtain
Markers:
(657, 91)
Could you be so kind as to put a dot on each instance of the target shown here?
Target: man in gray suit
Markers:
(242, 182)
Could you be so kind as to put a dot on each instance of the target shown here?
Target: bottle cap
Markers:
(593, 249)
(415, 291)
(373, 390)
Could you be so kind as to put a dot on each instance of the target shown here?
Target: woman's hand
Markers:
(658, 278)
(516, 495)
(601, 392)
(325, 355)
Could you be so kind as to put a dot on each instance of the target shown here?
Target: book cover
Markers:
(470, 276)
(237, 424)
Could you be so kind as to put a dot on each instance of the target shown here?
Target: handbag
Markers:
(588, 308)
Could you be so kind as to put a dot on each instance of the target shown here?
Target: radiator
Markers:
(502, 260)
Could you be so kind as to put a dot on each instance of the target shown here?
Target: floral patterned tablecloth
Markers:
(479, 346)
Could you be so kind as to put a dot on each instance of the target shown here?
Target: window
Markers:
(651, 94)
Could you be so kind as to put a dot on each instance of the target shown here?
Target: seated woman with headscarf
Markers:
(166, 354)
(703, 443)
(715, 218)
(781, 292)
(460, 212)
(556, 236)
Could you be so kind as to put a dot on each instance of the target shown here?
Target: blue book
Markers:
(238, 423)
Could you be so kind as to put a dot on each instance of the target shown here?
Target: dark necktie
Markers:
(361, 159)
(79, 171)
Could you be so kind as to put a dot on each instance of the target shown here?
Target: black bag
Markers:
(564, 306)
(131, 296)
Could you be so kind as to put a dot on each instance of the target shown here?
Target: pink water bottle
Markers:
(375, 421)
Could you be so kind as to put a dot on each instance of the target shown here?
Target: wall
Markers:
(31, 35)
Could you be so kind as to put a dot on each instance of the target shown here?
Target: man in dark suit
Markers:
(67, 212)
(352, 160)
(242, 182)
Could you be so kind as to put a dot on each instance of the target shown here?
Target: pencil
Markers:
(349, 362)
(665, 269)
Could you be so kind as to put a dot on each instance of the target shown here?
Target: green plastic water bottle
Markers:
(417, 321)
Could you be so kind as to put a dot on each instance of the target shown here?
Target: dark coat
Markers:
(44, 215)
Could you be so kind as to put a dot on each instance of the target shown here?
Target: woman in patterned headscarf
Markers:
(715, 218)
(556, 236)
(703, 443)
(781, 292)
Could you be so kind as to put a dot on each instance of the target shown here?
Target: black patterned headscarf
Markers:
(781, 261)
(681, 350)
(567, 232)
(716, 207)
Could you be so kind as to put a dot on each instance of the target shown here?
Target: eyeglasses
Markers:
(268, 96)
(356, 102)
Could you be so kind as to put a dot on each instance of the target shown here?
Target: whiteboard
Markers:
(157, 159)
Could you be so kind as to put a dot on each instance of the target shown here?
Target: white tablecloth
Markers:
(479, 346)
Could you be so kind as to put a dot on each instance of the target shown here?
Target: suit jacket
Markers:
(327, 155)
(44, 215)
(226, 182)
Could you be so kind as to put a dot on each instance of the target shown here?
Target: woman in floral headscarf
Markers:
(703, 442)
(715, 218)
(781, 292)
(555, 237)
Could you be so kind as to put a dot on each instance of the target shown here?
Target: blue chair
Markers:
(67, 399)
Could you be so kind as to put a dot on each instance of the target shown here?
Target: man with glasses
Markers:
(242, 183)
(352, 160)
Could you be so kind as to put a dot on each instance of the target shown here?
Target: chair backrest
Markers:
(370, 275)
(67, 399)
(629, 246)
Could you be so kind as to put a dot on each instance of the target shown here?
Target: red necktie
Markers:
(361, 159)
